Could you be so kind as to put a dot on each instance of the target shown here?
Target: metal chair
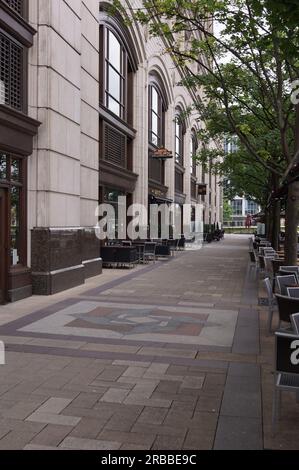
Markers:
(290, 269)
(271, 302)
(287, 306)
(293, 292)
(289, 280)
(295, 323)
(150, 251)
(286, 371)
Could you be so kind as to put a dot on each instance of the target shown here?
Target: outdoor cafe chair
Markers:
(291, 269)
(286, 377)
(271, 302)
(293, 292)
(287, 306)
(284, 281)
(150, 251)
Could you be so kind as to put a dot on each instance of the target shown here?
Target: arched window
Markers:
(157, 109)
(180, 131)
(156, 116)
(115, 74)
(118, 63)
(193, 152)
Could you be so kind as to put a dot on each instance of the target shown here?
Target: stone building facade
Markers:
(84, 103)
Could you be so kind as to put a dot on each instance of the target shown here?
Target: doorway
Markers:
(3, 246)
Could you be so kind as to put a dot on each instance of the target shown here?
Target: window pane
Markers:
(114, 51)
(15, 170)
(114, 106)
(114, 81)
(177, 146)
(15, 225)
(155, 100)
(154, 139)
(3, 167)
(155, 123)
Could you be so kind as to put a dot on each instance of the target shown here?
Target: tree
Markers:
(246, 72)
(227, 211)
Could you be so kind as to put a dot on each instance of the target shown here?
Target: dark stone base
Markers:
(19, 283)
(93, 268)
(55, 282)
(58, 259)
(20, 293)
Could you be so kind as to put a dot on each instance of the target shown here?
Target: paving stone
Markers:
(51, 435)
(193, 382)
(75, 443)
(238, 433)
(114, 395)
(88, 400)
(88, 428)
(144, 439)
(168, 443)
(54, 405)
(16, 440)
(51, 418)
(242, 397)
(161, 430)
(152, 415)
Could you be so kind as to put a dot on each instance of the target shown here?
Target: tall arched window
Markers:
(156, 117)
(157, 110)
(180, 131)
(193, 152)
(115, 74)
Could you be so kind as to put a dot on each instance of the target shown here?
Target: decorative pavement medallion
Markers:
(167, 324)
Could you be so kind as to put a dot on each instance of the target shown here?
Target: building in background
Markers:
(241, 209)
(85, 101)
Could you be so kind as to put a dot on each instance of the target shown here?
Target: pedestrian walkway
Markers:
(165, 356)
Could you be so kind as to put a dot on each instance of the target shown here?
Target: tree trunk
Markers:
(275, 225)
(268, 228)
(292, 220)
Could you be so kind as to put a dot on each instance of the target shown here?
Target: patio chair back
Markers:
(286, 371)
(150, 248)
(295, 323)
(284, 281)
(293, 292)
(286, 307)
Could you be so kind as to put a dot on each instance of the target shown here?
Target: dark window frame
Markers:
(23, 108)
(180, 132)
(8, 184)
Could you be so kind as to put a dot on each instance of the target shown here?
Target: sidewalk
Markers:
(165, 356)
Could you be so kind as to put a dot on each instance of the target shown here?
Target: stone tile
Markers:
(168, 443)
(54, 405)
(134, 372)
(88, 428)
(152, 416)
(199, 440)
(16, 440)
(115, 395)
(88, 400)
(238, 433)
(75, 443)
(193, 382)
(49, 418)
(144, 439)
(242, 397)
(161, 430)
(51, 435)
